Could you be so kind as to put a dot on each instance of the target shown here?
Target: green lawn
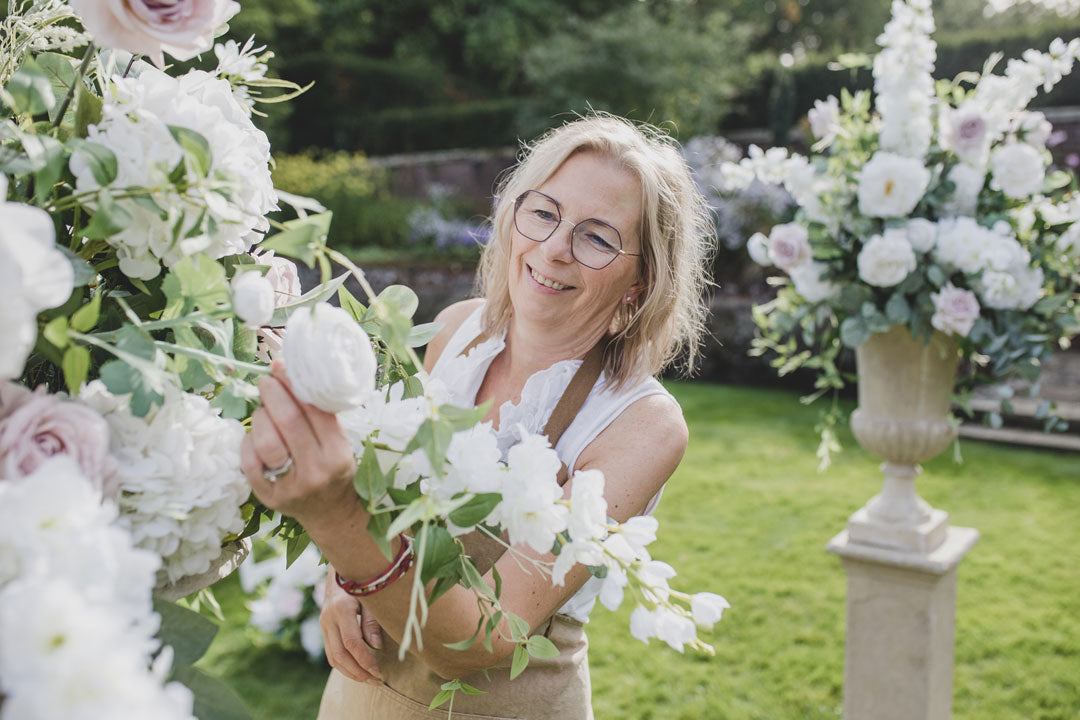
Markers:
(747, 515)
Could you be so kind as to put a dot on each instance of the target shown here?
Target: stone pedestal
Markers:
(901, 609)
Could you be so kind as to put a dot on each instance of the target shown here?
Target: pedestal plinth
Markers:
(901, 609)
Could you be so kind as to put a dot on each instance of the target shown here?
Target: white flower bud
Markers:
(328, 358)
(253, 299)
(707, 608)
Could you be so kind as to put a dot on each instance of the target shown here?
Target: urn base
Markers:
(922, 538)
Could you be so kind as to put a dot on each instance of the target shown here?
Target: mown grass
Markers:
(748, 515)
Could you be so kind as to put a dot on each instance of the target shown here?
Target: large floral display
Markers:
(935, 208)
(147, 287)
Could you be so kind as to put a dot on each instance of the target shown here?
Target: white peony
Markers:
(955, 310)
(34, 276)
(328, 358)
(886, 259)
(967, 184)
(1017, 169)
(253, 299)
(891, 185)
(178, 470)
(221, 214)
(809, 282)
(789, 246)
(922, 234)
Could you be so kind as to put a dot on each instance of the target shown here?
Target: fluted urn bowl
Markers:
(232, 554)
(905, 390)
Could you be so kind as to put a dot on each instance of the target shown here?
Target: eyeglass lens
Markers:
(593, 243)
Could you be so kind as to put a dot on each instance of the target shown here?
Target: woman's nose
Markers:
(557, 246)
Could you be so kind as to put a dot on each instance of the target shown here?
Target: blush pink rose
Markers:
(35, 426)
(955, 310)
(182, 28)
(789, 246)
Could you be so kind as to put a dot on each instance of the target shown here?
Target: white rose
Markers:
(891, 185)
(922, 234)
(887, 259)
(328, 358)
(808, 282)
(758, 247)
(955, 310)
(789, 246)
(253, 299)
(968, 183)
(1017, 170)
(182, 28)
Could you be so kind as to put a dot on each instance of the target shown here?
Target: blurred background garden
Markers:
(415, 109)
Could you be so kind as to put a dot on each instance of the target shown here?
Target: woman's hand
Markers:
(318, 484)
(349, 634)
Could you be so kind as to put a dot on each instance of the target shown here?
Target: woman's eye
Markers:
(545, 215)
(599, 243)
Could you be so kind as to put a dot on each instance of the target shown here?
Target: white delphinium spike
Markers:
(903, 79)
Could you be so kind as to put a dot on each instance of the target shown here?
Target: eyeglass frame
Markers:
(618, 251)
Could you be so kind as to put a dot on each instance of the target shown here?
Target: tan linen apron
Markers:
(548, 689)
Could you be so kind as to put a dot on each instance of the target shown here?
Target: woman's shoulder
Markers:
(451, 317)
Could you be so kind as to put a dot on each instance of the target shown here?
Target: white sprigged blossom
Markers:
(903, 81)
(241, 65)
(328, 358)
(588, 508)
(529, 511)
(886, 259)
(42, 27)
(891, 185)
(707, 608)
(178, 471)
(76, 615)
(823, 118)
(220, 214)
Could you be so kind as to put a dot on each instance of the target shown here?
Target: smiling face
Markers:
(546, 284)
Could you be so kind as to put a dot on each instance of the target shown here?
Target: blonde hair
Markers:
(668, 318)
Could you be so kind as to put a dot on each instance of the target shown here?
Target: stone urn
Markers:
(232, 554)
(905, 387)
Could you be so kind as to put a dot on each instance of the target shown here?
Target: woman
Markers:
(591, 284)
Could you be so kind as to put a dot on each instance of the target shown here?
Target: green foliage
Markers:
(631, 63)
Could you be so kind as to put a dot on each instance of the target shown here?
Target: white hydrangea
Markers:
(1017, 169)
(886, 259)
(76, 615)
(1017, 289)
(220, 215)
(179, 478)
(891, 185)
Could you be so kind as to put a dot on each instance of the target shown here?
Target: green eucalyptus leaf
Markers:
(213, 699)
(854, 332)
(30, 90)
(108, 220)
(234, 399)
(476, 510)
(100, 159)
(187, 632)
(196, 149)
(423, 334)
(399, 299)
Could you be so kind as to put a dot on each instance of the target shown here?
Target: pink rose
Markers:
(269, 344)
(789, 246)
(182, 28)
(34, 426)
(282, 275)
(955, 310)
(965, 132)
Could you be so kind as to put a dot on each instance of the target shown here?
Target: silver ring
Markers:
(272, 474)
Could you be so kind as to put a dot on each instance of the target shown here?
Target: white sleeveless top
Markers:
(463, 376)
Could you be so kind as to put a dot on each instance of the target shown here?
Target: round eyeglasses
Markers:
(593, 243)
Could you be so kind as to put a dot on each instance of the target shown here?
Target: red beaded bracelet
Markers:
(404, 560)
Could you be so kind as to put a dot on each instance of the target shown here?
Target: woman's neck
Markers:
(530, 350)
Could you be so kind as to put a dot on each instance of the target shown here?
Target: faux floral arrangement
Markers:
(146, 291)
(933, 210)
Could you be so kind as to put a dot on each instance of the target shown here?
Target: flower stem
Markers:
(79, 73)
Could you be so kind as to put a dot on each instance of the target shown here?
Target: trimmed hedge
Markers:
(956, 53)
